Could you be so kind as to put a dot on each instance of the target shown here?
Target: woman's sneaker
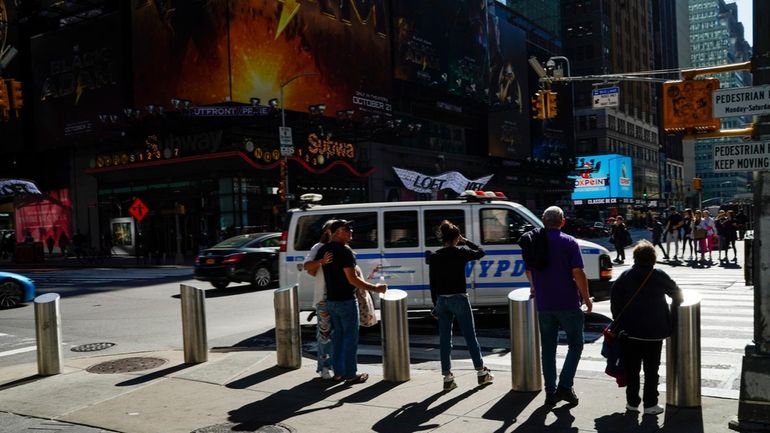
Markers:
(326, 374)
(449, 382)
(653, 410)
(485, 376)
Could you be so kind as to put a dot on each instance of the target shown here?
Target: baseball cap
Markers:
(335, 224)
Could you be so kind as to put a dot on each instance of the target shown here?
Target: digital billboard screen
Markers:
(603, 176)
(209, 52)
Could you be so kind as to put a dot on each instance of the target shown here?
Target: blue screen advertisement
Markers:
(603, 176)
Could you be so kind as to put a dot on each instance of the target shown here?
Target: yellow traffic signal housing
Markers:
(17, 97)
(538, 105)
(687, 105)
(696, 184)
(551, 104)
(5, 102)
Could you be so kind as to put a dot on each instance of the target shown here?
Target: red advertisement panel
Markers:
(48, 216)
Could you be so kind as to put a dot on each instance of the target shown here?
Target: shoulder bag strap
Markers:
(614, 322)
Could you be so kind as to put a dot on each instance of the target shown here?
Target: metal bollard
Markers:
(395, 336)
(288, 340)
(683, 381)
(48, 331)
(194, 324)
(526, 374)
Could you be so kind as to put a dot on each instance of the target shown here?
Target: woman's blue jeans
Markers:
(571, 321)
(344, 316)
(447, 309)
(323, 336)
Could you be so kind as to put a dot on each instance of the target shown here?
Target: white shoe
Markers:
(653, 410)
(632, 408)
(326, 374)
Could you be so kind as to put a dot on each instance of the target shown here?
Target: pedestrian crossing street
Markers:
(727, 317)
(87, 277)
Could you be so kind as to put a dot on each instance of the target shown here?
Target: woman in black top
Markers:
(447, 289)
(641, 312)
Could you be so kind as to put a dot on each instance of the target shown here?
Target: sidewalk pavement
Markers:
(245, 391)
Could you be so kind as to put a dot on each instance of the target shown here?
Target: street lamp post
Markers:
(722, 191)
(286, 154)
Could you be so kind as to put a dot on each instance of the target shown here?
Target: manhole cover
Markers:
(126, 365)
(92, 347)
(250, 426)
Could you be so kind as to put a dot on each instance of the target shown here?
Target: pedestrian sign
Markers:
(138, 210)
(284, 134)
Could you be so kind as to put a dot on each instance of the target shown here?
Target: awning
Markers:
(10, 188)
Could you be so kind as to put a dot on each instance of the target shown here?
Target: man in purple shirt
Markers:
(559, 289)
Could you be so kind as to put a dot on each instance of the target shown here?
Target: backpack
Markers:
(534, 249)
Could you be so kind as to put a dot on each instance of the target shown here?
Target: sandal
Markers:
(337, 379)
(360, 378)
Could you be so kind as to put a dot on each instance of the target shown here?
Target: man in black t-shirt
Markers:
(341, 304)
(674, 222)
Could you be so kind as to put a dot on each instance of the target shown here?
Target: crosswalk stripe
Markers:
(17, 351)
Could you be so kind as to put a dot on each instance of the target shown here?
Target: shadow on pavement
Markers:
(412, 417)
(508, 408)
(22, 381)
(284, 404)
(154, 375)
(536, 423)
(258, 377)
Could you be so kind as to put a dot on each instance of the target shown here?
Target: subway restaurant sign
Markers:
(748, 156)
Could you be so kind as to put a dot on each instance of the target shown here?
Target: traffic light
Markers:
(5, 102)
(696, 184)
(551, 106)
(282, 190)
(538, 105)
(644, 194)
(17, 98)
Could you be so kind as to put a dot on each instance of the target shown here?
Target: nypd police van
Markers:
(392, 239)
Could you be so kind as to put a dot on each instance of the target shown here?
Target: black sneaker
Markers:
(568, 395)
(550, 399)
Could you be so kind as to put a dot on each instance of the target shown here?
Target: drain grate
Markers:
(92, 347)
(126, 365)
(229, 427)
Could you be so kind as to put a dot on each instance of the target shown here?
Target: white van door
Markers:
(432, 216)
(497, 229)
(402, 259)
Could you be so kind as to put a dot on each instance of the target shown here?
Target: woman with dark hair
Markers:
(643, 318)
(450, 300)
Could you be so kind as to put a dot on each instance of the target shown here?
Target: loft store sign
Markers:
(453, 180)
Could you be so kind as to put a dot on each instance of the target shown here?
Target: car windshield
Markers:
(239, 241)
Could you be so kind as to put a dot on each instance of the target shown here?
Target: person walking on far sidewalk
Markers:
(711, 231)
(341, 303)
(674, 222)
(621, 238)
(559, 286)
(323, 321)
(643, 320)
(450, 300)
(657, 233)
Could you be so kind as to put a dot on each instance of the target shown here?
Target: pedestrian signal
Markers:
(687, 104)
(17, 98)
(5, 102)
(697, 183)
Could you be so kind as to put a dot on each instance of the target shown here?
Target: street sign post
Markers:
(747, 156)
(286, 141)
(606, 97)
(741, 101)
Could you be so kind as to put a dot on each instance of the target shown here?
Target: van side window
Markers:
(502, 226)
(401, 229)
(433, 220)
(364, 229)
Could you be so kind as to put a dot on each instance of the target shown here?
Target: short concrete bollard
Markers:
(288, 338)
(526, 374)
(683, 379)
(395, 336)
(48, 331)
(194, 324)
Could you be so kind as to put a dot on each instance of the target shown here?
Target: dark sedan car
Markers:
(249, 258)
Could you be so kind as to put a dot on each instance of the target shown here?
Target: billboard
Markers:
(335, 53)
(76, 77)
(603, 176)
(442, 43)
(508, 119)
